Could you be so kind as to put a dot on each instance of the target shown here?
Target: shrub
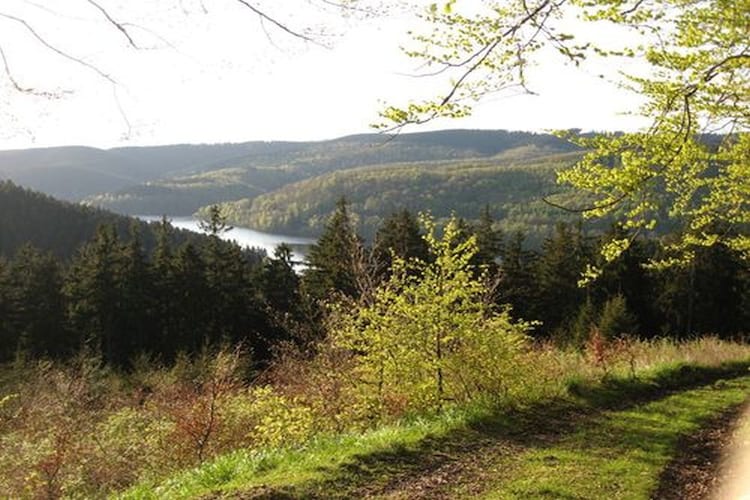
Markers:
(615, 319)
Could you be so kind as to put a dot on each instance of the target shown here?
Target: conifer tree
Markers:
(191, 313)
(399, 235)
(7, 339)
(34, 302)
(489, 241)
(137, 322)
(331, 260)
(517, 283)
(558, 271)
(165, 288)
(93, 297)
(279, 281)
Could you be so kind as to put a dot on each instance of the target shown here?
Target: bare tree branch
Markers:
(54, 49)
(120, 27)
(278, 24)
(17, 85)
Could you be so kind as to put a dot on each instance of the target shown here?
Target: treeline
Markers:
(114, 299)
(245, 170)
(119, 300)
(711, 295)
(513, 184)
(30, 217)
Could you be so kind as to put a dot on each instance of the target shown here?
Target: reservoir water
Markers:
(244, 237)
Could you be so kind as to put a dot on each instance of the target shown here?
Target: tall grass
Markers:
(80, 429)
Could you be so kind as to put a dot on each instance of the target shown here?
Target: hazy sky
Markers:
(209, 72)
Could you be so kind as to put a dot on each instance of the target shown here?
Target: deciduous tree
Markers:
(698, 82)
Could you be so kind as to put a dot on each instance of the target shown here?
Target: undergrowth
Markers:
(79, 429)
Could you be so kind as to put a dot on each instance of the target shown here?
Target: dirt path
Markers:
(695, 470)
(734, 475)
(465, 462)
(713, 463)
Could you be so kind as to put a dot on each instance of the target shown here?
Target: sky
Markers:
(207, 71)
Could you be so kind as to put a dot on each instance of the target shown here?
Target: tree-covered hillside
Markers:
(265, 167)
(72, 173)
(512, 184)
(32, 218)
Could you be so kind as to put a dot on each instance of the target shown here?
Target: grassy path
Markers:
(608, 440)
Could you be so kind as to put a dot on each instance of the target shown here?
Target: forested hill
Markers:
(73, 172)
(30, 217)
(275, 165)
(180, 179)
(512, 184)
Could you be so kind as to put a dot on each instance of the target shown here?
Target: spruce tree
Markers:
(7, 336)
(165, 289)
(489, 241)
(91, 289)
(330, 261)
(34, 302)
(190, 311)
(137, 312)
(399, 236)
(279, 282)
(517, 286)
(558, 271)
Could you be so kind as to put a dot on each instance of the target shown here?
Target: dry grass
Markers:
(78, 429)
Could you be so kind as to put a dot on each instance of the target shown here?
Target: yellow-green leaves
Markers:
(699, 85)
(427, 336)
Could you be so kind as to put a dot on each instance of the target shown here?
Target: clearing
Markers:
(622, 438)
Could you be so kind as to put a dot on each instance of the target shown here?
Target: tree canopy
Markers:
(697, 83)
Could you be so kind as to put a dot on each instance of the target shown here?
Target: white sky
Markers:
(216, 76)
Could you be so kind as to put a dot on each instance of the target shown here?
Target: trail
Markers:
(734, 473)
(609, 442)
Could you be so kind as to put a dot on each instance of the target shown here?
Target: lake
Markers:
(244, 237)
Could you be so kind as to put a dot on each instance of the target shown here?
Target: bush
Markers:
(615, 319)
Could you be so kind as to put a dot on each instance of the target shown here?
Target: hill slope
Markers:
(512, 184)
(74, 172)
(265, 167)
(60, 227)
(421, 167)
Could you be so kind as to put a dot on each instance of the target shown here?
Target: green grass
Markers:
(602, 440)
(293, 469)
(618, 454)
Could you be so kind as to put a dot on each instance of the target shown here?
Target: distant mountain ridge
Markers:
(75, 172)
(290, 187)
(185, 177)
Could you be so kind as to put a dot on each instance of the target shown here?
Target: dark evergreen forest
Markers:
(138, 289)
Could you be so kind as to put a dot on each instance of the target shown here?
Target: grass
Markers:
(602, 440)
(618, 454)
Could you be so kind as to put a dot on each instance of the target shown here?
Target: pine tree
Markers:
(91, 289)
(34, 302)
(489, 241)
(331, 260)
(399, 235)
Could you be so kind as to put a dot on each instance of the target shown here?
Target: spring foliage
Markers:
(697, 83)
(428, 334)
